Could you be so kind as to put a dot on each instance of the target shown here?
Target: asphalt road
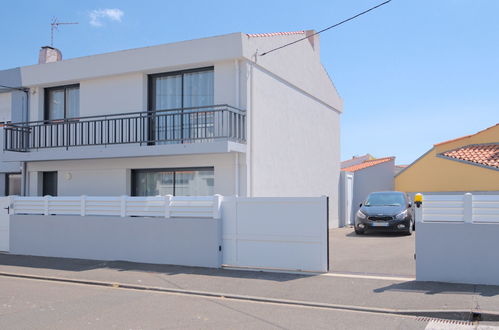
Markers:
(33, 304)
(376, 253)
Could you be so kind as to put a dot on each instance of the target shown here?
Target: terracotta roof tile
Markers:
(480, 154)
(274, 34)
(367, 164)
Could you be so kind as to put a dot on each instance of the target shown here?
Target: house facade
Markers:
(466, 164)
(199, 117)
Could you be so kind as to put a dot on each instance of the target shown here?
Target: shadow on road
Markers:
(82, 265)
(433, 288)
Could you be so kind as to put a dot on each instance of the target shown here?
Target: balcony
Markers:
(175, 126)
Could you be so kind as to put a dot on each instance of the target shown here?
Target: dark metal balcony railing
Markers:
(186, 125)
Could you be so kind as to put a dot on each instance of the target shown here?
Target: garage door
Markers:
(4, 223)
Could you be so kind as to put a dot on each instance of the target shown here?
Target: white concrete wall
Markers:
(5, 106)
(161, 58)
(188, 242)
(114, 94)
(294, 143)
(456, 239)
(112, 177)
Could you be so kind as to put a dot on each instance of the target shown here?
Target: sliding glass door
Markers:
(177, 182)
(180, 90)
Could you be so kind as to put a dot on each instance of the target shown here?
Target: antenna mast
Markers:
(54, 25)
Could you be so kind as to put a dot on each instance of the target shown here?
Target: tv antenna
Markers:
(54, 25)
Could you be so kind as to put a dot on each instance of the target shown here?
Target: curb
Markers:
(455, 315)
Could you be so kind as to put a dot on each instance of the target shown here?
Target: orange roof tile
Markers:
(367, 164)
(479, 154)
(464, 137)
(274, 34)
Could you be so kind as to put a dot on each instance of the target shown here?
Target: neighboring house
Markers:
(359, 180)
(198, 117)
(356, 160)
(13, 106)
(466, 164)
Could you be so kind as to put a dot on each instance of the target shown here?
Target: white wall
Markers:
(112, 176)
(5, 106)
(294, 146)
(112, 95)
(456, 239)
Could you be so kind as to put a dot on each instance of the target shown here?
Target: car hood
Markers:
(382, 210)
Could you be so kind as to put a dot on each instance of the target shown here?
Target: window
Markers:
(62, 102)
(177, 182)
(49, 184)
(178, 90)
(12, 184)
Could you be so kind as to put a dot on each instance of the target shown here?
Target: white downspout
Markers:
(238, 105)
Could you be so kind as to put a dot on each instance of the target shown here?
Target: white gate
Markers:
(276, 233)
(4, 223)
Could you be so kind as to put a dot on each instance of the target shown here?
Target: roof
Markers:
(367, 164)
(464, 137)
(356, 160)
(486, 155)
(274, 34)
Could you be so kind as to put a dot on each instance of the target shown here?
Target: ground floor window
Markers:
(12, 184)
(176, 181)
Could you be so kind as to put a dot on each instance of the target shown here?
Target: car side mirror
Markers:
(409, 205)
(360, 205)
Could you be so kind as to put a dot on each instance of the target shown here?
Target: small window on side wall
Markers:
(62, 102)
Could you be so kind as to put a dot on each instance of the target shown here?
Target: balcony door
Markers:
(179, 91)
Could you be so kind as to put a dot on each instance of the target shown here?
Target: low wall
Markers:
(457, 252)
(457, 239)
(186, 241)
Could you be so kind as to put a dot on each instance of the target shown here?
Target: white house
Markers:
(198, 117)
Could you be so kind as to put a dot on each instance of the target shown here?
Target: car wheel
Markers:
(359, 231)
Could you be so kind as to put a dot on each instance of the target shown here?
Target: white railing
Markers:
(465, 208)
(123, 206)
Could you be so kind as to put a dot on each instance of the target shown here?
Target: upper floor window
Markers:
(62, 102)
(183, 89)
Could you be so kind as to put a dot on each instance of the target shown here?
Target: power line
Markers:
(15, 88)
(330, 27)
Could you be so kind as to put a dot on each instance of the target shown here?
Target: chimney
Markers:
(49, 55)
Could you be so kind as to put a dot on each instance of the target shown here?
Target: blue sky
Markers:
(411, 73)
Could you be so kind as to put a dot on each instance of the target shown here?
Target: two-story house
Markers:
(198, 117)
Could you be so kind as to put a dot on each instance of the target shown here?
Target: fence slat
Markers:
(122, 206)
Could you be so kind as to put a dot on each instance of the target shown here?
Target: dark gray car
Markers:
(385, 211)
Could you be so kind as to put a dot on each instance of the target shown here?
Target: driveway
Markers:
(377, 253)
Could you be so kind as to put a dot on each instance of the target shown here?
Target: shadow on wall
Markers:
(431, 288)
(82, 265)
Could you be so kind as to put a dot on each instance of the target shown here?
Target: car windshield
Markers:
(385, 200)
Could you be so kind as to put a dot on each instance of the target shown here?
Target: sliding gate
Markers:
(276, 233)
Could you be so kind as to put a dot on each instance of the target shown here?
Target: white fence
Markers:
(258, 232)
(159, 206)
(461, 208)
(457, 239)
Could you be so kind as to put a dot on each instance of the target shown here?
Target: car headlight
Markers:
(361, 215)
(401, 215)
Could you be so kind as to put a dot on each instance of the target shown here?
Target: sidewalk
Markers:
(326, 289)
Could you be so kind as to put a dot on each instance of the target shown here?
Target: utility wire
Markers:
(330, 27)
(15, 88)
